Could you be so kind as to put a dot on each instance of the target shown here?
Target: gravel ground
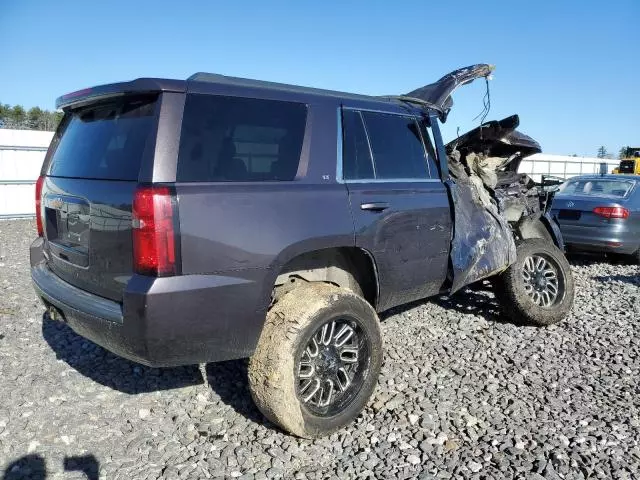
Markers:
(462, 394)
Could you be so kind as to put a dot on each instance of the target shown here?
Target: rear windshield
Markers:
(234, 139)
(597, 188)
(104, 141)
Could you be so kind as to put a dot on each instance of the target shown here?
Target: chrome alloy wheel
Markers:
(332, 366)
(542, 281)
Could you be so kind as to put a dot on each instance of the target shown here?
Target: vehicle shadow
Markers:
(33, 467)
(631, 279)
(229, 380)
(588, 258)
(475, 299)
(104, 367)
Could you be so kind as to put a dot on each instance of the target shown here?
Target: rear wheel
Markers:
(317, 360)
(538, 288)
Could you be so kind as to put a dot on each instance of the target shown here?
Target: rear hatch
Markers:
(92, 172)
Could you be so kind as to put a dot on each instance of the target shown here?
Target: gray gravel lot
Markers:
(462, 394)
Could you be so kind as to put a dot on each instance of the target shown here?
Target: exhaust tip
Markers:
(55, 314)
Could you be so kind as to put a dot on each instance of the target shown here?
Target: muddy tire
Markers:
(538, 288)
(317, 360)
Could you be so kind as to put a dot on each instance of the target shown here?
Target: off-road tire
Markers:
(290, 325)
(510, 290)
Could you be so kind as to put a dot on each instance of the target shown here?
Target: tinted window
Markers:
(104, 141)
(356, 163)
(240, 139)
(396, 145)
(598, 188)
(431, 154)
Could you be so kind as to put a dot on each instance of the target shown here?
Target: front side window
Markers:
(235, 139)
(382, 147)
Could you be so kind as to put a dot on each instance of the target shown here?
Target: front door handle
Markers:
(374, 206)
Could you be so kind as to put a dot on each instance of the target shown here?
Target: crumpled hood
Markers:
(497, 138)
(439, 93)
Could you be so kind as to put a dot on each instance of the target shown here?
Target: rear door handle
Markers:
(374, 206)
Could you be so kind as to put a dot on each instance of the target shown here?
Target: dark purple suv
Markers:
(218, 218)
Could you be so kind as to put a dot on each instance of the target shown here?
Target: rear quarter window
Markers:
(234, 139)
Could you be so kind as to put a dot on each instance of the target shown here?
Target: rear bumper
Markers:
(162, 321)
(600, 239)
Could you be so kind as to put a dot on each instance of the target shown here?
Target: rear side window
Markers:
(234, 139)
(104, 141)
(394, 141)
(357, 163)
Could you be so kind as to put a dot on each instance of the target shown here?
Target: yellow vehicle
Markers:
(630, 163)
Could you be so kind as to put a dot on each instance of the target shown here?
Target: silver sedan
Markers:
(600, 213)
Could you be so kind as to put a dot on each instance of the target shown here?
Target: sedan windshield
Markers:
(597, 187)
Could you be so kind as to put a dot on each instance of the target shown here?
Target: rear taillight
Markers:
(39, 183)
(611, 212)
(154, 235)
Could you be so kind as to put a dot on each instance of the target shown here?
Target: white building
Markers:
(563, 166)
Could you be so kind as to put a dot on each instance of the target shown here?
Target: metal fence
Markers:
(21, 156)
(537, 165)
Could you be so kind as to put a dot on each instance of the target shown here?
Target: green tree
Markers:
(18, 115)
(4, 110)
(34, 118)
(622, 153)
(602, 152)
(57, 118)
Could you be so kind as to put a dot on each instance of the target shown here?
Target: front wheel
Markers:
(538, 288)
(317, 360)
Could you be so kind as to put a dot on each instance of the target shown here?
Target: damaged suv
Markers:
(218, 218)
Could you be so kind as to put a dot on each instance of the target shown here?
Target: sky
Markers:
(570, 69)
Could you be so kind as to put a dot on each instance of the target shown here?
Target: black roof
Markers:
(248, 82)
(145, 85)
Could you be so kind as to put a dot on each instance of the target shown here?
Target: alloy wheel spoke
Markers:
(328, 365)
(310, 389)
(313, 349)
(343, 379)
(326, 393)
(344, 334)
(326, 333)
(349, 354)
